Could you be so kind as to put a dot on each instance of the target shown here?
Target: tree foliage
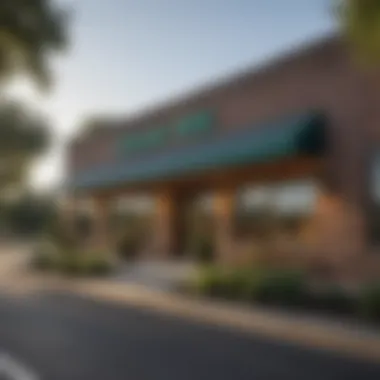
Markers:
(29, 214)
(24, 134)
(31, 32)
(360, 21)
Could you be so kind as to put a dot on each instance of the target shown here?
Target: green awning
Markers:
(300, 135)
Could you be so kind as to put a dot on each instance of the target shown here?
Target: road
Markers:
(63, 337)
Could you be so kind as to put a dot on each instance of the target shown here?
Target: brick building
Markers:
(308, 115)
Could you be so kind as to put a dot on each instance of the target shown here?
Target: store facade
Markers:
(306, 117)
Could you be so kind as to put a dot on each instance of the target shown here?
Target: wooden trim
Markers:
(231, 177)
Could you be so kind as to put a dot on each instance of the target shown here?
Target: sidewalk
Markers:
(351, 340)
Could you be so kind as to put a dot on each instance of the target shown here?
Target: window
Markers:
(295, 198)
(283, 207)
(136, 204)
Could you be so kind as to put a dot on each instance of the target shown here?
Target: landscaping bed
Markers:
(286, 289)
(48, 258)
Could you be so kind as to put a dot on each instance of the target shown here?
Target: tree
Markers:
(24, 134)
(31, 32)
(360, 22)
(29, 214)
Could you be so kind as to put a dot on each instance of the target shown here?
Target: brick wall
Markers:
(318, 77)
(322, 76)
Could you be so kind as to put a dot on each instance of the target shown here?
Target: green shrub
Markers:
(128, 246)
(282, 288)
(278, 287)
(211, 281)
(203, 249)
(232, 284)
(69, 261)
(44, 262)
(272, 287)
(369, 302)
(84, 264)
(96, 265)
(333, 299)
(239, 283)
(45, 256)
(252, 286)
(70, 264)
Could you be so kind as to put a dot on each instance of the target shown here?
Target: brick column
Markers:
(100, 235)
(224, 210)
(167, 225)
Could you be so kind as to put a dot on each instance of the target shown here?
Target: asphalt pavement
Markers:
(62, 337)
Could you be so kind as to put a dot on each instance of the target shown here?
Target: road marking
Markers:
(14, 370)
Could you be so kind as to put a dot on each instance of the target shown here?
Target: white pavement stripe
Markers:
(13, 369)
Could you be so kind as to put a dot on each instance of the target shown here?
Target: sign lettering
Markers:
(192, 126)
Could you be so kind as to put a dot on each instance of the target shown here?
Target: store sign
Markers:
(193, 126)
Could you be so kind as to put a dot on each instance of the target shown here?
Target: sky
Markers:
(126, 55)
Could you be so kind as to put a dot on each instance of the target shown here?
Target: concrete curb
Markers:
(352, 342)
(355, 343)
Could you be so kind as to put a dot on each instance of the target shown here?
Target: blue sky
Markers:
(129, 54)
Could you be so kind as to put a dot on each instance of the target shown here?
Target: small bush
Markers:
(70, 264)
(96, 265)
(271, 287)
(369, 302)
(203, 249)
(69, 261)
(240, 283)
(211, 282)
(44, 262)
(45, 256)
(283, 288)
(128, 246)
(253, 285)
(279, 287)
(85, 264)
(333, 299)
